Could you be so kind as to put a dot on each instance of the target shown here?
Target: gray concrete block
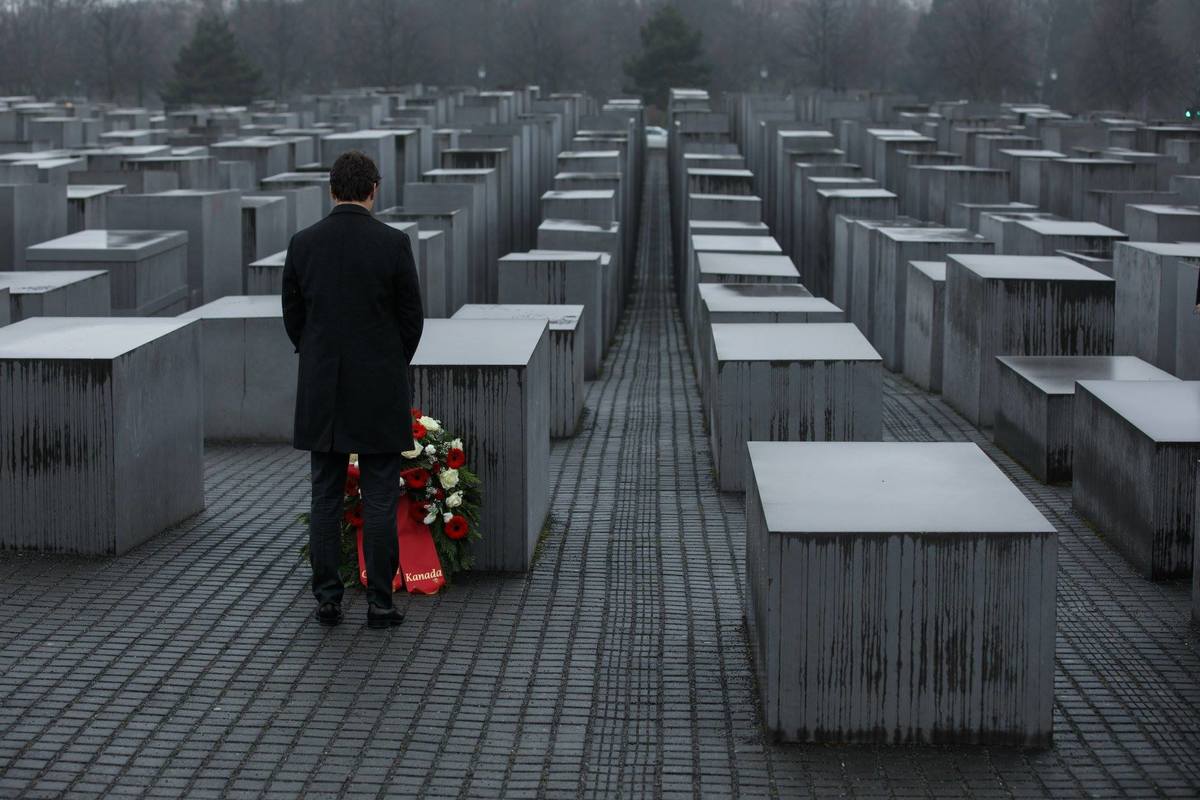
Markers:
(249, 369)
(74, 293)
(305, 205)
(265, 276)
(29, 213)
(484, 195)
(1022, 306)
(1135, 444)
(859, 243)
(213, 221)
(1162, 223)
(561, 278)
(489, 382)
(380, 145)
(924, 323)
(566, 355)
(264, 227)
(1045, 237)
(952, 185)
(101, 440)
(790, 382)
(435, 277)
(888, 278)
(1151, 300)
(87, 204)
(843, 544)
(1035, 405)
(148, 270)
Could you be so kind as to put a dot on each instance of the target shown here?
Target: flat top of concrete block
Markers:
(580, 225)
(757, 264)
(912, 233)
(729, 198)
(238, 307)
(998, 206)
(791, 341)
(106, 245)
(727, 225)
(543, 256)
(716, 243)
(835, 180)
(402, 225)
(1070, 227)
(895, 133)
(1057, 374)
(189, 193)
(38, 282)
(715, 172)
(609, 154)
(801, 133)
(78, 338)
(1176, 249)
(427, 235)
(478, 342)
(733, 297)
(1017, 153)
(1165, 411)
(262, 200)
(587, 176)
(1035, 268)
(298, 177)
(888, 487)
(1168, 210)
(273, 260)
(861, 194)
(579, 194)
(560, 317)
(173, 158)
(935, 270)
(474, 171)
(259, 142)
(86, 191)
(362, 134)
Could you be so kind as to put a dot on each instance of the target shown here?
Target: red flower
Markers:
(352, 476)
(353, 516)
(436, 466)
(455, 458)
(415, 478)
(416, 512)
(416, 412)
(418, 430)
(440, 494)
(457, 528)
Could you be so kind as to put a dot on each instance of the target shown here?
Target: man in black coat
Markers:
(352, 308)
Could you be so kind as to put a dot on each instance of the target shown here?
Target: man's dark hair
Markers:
(353, 176)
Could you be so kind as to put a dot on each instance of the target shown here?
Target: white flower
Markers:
(456, 445)
(429, 490)
(354, 459)
(402, 483)
(448, 478)
(430, 424)
(447, 517)
(454, 500)
(430, 449)
(429, 519)
(416, 451)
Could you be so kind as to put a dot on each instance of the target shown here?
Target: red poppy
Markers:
(455, 458)
(418, 430)
(416, 412)
(415, 478)
(416, 512)
(457, 528)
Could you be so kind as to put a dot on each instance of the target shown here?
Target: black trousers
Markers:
(380, 484)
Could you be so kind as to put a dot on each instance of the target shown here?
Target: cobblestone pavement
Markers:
(617, 668)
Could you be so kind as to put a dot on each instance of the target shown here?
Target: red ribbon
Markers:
(420, 569)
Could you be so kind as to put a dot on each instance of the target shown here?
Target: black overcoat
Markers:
(352, 308)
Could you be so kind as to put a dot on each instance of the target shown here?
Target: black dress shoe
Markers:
(383, 618)
(329, 614)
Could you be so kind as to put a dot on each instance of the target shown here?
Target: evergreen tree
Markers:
(211, 69)
(671, 57)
